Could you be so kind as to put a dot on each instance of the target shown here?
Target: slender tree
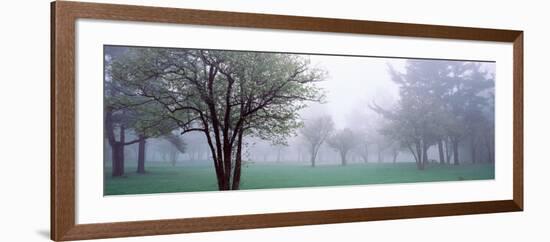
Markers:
(315, 133)
(363, 146)
(343, 141)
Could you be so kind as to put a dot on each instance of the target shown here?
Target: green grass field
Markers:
(162, 178)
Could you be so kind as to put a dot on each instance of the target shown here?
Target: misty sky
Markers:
(354, 82)
(351, 84)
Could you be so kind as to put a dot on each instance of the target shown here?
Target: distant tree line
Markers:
(444, 104)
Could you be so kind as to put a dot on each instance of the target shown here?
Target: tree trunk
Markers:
(455, 151)
(173, 156)
(380, 157)
(395, 153)
(117, 159)
(117, 147)
(238, 160)
(218, 170)
(223, 179)
(424, 154)
(419, 153)
(448, 151)
(141, 155)
(343, 158)
(365, 158)
(413, 153)
(118, 154)
(366, 154)
(313, 155)
(228, 171)
(441, 155)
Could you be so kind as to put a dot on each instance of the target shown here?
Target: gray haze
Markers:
(352, 84)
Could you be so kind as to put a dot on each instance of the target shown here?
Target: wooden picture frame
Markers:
(63, 17)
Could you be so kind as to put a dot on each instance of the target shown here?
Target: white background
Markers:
(24, 100)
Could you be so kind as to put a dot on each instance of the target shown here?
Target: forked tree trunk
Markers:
(227, 158)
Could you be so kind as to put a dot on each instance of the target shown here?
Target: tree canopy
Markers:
(439, 101)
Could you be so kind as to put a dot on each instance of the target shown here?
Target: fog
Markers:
(352, 86)
(352, 83)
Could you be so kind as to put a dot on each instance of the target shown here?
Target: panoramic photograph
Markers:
(198, 120)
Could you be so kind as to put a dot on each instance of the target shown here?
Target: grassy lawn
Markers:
(162, 178)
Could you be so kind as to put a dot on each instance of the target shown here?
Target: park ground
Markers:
(163, 178)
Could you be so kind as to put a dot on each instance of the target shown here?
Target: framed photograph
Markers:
(172, 120)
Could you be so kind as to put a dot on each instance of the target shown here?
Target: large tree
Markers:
(226, 95)
(467, 97)
(315, 133)
(440, 101)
